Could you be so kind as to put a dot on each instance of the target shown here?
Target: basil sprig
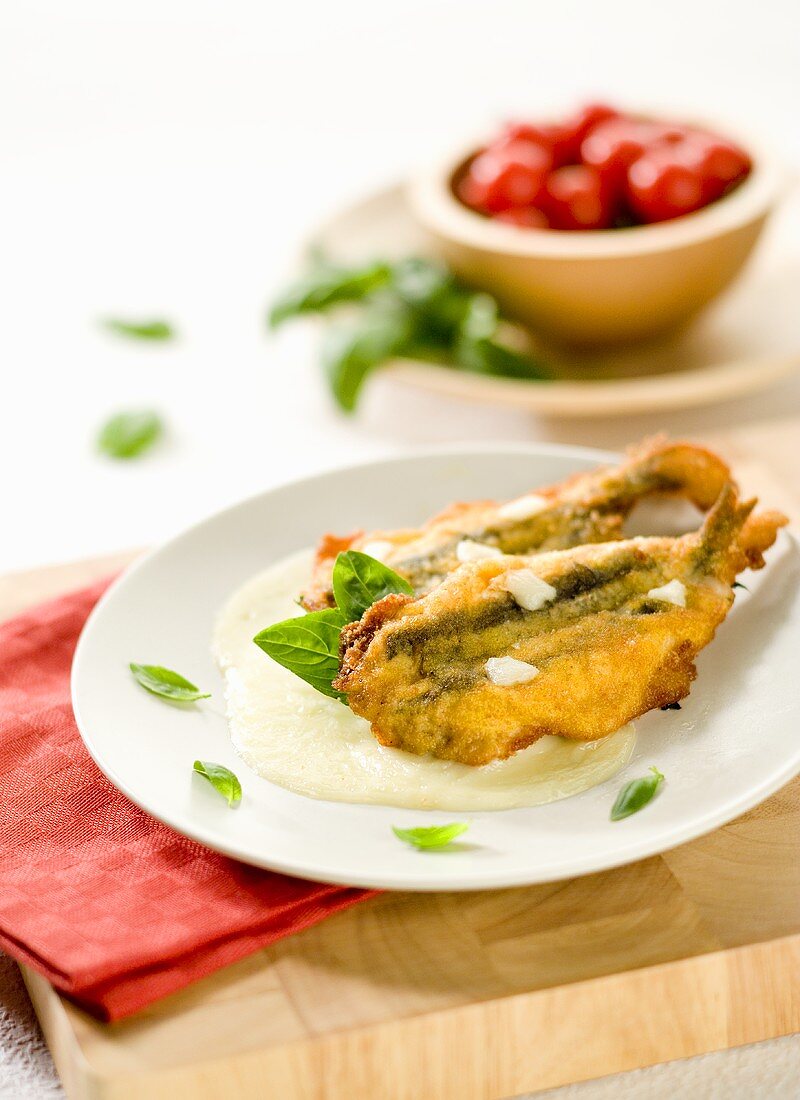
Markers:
(636, 794)
(129, 434)
(140, 330)
(308, 645)
(412, 308)
(431, 837)
(167, 684)
(221, 779)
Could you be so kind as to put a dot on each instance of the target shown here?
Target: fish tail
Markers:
(757, 535)
(719, 533)
(661, 465)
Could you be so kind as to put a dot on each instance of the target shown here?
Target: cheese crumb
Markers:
(523, 507)
(506, 671)
(530, 591)
(468, 550)
(673, 592)
(377, 549)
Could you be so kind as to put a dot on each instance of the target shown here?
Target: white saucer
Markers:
(746, 342)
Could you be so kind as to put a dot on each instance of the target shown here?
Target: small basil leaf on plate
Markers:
(328, 286)
(308, 646)
(141, 330)
(738, 584)
(431, 837)
(129, 434)
(636, 794)
(359, 581)
(167, 684)
(221, 779)
(350, 353)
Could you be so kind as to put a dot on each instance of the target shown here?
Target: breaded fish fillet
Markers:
(573, 642)
(589, 507)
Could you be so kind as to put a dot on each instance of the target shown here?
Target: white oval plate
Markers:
(734, 742)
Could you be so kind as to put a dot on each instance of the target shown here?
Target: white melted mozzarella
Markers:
(378, 549)
(530, 591)
(523, 507)
(294, 736)
(469, 550)
(672, 592)
(507, 671)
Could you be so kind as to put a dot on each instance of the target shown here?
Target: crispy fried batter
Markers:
(586, 508)
(606, 648)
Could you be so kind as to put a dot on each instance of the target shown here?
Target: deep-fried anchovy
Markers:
(608, 645)
(587, 508)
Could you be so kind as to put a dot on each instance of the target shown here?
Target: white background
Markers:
(166, 157)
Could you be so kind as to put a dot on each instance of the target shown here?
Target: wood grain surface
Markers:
(484, 995)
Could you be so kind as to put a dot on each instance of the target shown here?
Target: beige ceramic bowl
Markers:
(600, 286)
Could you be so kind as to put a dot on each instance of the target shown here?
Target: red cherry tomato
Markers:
(526, 132)
(470, 192)
(578, 198)
(513, 175)
(613, 146)
(663, 184)
(726, 162)
(592, 115)
(721, 163)
(528, 217)
(568, 136)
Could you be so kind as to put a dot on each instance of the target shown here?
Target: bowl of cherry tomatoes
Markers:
(602, 228)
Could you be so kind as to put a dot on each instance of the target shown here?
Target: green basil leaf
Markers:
(440, 306)
(419, 282)
(221, 779)
(328, 286)
(481, 317)
(141, 330)
(308, 646)
(350, 354)
(431, 837)
(167, 684)
(485, 356)
(431, 292)
(738, 584)
(129, 434)
(359, 581)
(636, 794)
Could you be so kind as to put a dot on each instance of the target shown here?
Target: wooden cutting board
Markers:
(484, 995)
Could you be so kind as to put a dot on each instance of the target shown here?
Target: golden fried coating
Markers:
(587, 508)
(603, 648)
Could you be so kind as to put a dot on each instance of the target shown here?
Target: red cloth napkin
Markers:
(114, 908)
